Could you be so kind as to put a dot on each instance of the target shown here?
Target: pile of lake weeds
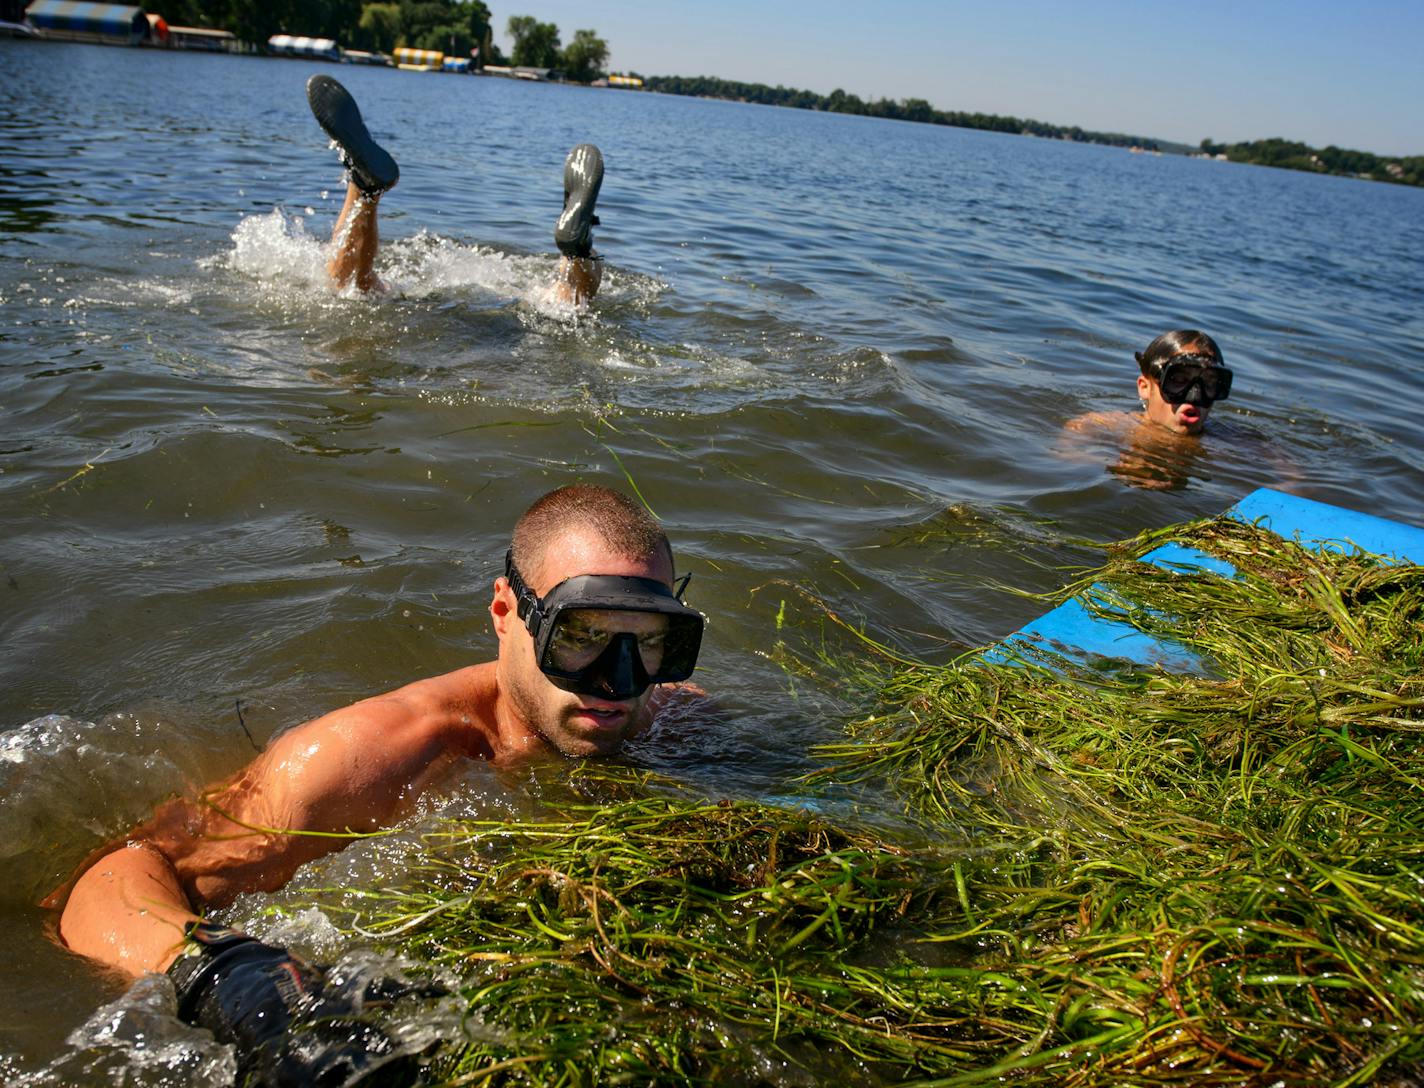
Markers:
(653, 938)
(1184, 879)
(1111, 875)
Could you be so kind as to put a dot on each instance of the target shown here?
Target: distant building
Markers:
(632, 82)
(360, 56)
(287, 45)
(201, 38)
(106, 24)
(418, 60)
(522, 72)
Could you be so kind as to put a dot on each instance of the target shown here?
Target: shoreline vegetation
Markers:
(1285, 154)
(464, 28)
(1103, 873)
(909, 109)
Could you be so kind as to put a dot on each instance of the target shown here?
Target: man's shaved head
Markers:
(623, 526)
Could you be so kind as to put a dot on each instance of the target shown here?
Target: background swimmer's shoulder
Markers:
(1102, 423)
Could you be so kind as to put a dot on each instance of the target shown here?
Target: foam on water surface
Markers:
(137, 1041)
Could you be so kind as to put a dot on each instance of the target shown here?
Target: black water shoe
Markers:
(583, 176)
(372, 168)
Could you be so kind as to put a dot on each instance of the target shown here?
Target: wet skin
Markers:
(576, 725)
(354, 770)
(1179, 417)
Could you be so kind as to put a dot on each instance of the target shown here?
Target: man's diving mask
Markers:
(1192, 379)
(609, 635)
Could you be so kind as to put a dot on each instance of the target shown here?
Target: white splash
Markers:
(138, 1042)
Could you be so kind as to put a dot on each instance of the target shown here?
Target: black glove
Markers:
(275, 1010)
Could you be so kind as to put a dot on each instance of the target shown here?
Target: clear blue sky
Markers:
(1349, 72)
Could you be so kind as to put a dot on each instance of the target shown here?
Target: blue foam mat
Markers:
(1071, 630)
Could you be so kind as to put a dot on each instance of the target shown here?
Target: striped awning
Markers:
(77, 17)
(303, 47)
(425, 58)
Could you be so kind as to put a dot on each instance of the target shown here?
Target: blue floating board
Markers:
(1071, 630)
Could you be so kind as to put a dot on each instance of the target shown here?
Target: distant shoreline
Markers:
(1280, 153)
(1283, 154)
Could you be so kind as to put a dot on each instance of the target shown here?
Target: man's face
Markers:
(577, 725)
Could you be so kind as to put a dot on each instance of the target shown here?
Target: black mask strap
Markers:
(680, 586)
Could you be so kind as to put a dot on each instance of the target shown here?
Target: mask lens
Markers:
(1178, 377)
(587, 640)
(581, 635)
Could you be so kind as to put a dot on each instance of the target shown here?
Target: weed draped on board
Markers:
(1107, 874)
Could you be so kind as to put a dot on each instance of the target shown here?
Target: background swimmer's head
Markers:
(1176, 342)
(1179, 417)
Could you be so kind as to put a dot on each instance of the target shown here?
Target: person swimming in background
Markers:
(372, 171)
(1181, 376)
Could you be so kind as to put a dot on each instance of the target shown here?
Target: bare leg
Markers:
(355, 240)
(581, 270)
(372, 172)
(577, 279)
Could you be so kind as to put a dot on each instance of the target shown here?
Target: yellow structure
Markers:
(419, 60)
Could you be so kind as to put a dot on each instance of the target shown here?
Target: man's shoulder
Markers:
(1110, 422)
(436, 708)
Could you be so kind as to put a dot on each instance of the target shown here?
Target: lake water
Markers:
(834, 354)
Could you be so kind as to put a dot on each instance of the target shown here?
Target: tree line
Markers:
(908, 109)
(1291, 155)
(459, 26)
(450, 26)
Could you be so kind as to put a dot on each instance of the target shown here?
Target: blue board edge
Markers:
(1072, 630)
(1319, 525)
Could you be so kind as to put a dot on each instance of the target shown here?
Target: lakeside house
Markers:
(102, 24)
(201, 38)
(118, 24)
(130, 25)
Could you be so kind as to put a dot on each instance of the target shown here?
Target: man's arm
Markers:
(350, 772)
(128, 911)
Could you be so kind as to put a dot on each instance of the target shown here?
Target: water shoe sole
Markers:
(583, 177)
(371, 166)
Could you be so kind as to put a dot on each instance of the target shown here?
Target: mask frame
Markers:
(1177, 376)
(619, 670)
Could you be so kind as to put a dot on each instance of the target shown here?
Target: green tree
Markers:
(585, 56)
(381, 26)
(476, 16)
(536, 44)
(452, 39)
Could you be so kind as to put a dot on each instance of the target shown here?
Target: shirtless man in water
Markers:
(589, 624)
(371, 171)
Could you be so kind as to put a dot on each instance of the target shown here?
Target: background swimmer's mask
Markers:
(607, 635)
(1192, 379)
